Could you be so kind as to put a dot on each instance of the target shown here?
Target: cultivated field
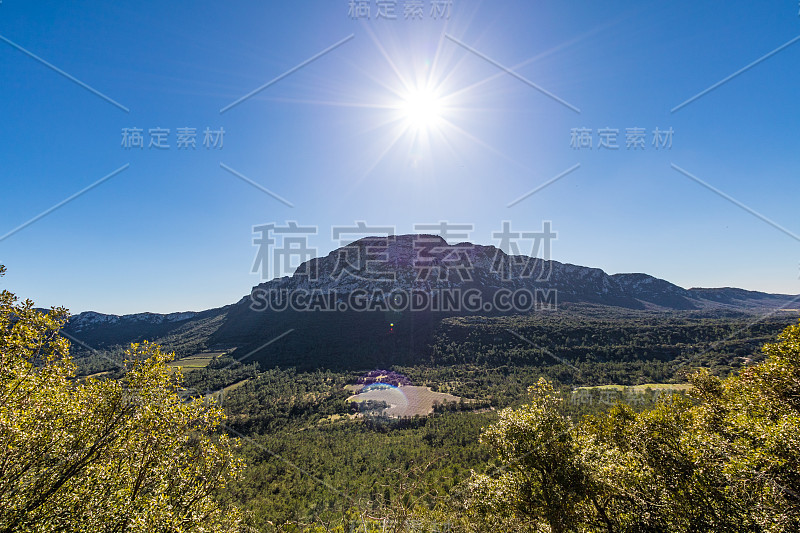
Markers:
(408, 400)
(641, 388)
(193, 362)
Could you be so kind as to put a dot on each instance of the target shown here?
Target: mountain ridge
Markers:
(380, 267)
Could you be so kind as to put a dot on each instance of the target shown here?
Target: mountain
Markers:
(186, 332)
(428, 263)
(379, 301)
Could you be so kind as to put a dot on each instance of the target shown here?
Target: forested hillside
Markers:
(584, 420)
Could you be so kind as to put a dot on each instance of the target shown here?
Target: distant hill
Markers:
(347, 309)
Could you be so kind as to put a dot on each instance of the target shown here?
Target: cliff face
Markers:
(376, 269)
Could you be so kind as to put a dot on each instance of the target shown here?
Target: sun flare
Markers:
(422, 108)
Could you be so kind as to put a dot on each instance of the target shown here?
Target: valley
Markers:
(317, 419)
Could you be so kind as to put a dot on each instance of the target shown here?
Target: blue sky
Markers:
(173, 231)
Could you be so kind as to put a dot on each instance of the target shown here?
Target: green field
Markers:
(193, 362)
(641, 388)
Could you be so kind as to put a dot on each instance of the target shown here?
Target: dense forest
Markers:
(313, 458)
(699, 431)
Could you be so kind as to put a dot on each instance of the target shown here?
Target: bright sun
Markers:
(422, 108)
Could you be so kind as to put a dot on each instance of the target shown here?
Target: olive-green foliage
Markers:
(385, 468)
(299, 432)
(102, 455)
(727, 461)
